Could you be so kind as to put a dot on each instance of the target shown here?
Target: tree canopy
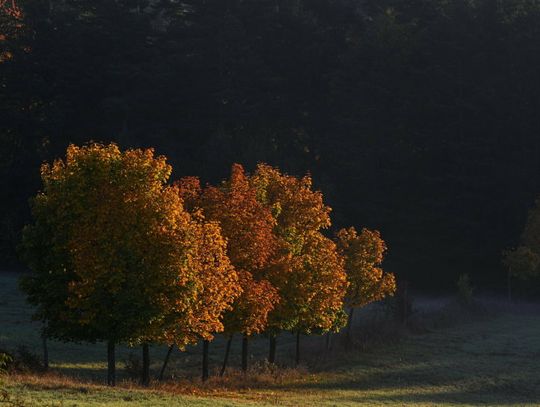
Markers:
(248, 226)
(116, 258)
(363, 254)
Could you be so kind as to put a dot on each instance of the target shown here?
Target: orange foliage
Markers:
(247, 223)
(297, 208)
(220, 287)
(312, 284)
(250, 313)
(11, 26)
(10, 8)
(306, 269)
(248, 226)
(139, 262)
(363, 255)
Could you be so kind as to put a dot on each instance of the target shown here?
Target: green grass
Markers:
(490, 360)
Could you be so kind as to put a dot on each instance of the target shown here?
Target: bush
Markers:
(6, 361)
(27, 361)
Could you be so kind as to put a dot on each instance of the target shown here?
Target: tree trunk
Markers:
(45, 351)
(145, 380)
(272, 349)
(111, 364)
(297, 348)
(226, 358)
(165, 362)
(349, 327)
(206, 345)
(244, 353)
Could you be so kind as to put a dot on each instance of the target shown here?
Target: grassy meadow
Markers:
(449, 356)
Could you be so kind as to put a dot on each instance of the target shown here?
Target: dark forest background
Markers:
(416, 117)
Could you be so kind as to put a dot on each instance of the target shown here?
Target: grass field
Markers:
(492, 359)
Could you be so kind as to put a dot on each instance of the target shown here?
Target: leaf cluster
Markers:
(116, 257)
(363, 253)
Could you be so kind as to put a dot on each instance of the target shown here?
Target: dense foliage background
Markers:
(416, 117)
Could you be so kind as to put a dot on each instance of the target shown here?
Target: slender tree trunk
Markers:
(45, 351)
(206, 345)
(244, 353)
(272, 349)
(226, 358)
(297, 348)
(349, 327)
(165, 362)
(145, 380)
(111, 364)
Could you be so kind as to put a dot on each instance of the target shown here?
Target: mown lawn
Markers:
(492, 360)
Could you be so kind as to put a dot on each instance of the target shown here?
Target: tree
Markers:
(248, 226)
(221, 287)
(114, 255)
(307, 270)
(363, 254)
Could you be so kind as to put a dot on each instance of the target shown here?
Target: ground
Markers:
(492, 359)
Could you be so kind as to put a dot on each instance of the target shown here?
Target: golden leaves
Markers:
(250, 312)
(147, 261)
(306, 269)
(363, 255)
(141, 263)
(248, 226)
(10, 8)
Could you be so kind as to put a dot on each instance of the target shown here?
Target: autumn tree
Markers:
(363, 254)
(306, 269)
(115, 257)
(248, 226)
(220, 284)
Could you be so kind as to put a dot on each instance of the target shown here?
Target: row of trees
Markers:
(119, 255)
(430, 107)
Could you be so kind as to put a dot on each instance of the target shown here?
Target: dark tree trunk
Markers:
(244, 353)
(349, 327)
(165, 362)
(206, 345)
(145, 380)
(272, 349)
(297, 349)
(45, 351)
(226, 358)
(111, 364)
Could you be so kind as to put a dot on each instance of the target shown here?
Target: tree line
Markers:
(120, 255)
(417, 117)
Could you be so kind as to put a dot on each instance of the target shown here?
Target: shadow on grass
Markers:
(493, 395)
